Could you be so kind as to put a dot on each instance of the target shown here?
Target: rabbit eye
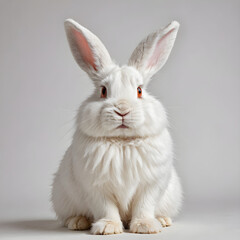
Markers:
(103, 92)
(139, 92)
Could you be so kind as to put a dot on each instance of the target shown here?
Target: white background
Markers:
(41, 88)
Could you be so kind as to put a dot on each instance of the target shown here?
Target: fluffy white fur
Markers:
(110, 176)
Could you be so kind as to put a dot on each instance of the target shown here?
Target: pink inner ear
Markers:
(160, 50)
(84, 49)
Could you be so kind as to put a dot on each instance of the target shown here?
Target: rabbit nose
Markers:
(123, 107)
(120, 114)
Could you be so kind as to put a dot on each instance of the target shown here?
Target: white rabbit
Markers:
(119, 169)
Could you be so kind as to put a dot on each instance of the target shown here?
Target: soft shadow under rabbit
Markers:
(119, 167)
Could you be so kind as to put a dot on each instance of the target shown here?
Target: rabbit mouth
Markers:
(122, 126)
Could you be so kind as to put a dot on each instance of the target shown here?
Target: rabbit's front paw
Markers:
(106, 227)
(165, 221)
(145, 225)
(78, 223)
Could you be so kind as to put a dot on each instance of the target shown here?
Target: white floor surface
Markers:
(195, 223)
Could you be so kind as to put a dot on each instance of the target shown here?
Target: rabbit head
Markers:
(120, 105)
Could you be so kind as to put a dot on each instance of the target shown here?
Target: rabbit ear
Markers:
(87, 49)
(152, 53)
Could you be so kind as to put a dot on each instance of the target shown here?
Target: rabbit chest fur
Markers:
(116, 167)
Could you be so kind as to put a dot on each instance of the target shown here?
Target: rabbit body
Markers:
(119, 168)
